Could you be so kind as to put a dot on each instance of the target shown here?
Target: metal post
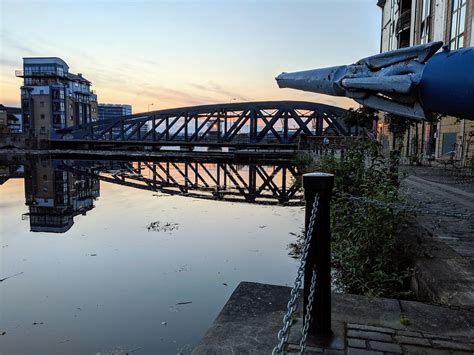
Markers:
(319, 255)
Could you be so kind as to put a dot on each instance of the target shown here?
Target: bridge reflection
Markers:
(58, 190)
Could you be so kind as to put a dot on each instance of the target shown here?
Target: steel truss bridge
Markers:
(251, 182)
(260, 124)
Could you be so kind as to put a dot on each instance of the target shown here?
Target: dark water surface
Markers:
(103, 252)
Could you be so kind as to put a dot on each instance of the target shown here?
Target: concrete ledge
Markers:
(251, 319)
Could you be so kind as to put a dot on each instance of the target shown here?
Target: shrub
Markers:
(365, 255)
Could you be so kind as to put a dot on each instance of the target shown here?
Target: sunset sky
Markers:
(181, 53)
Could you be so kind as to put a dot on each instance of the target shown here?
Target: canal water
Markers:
(140, 257)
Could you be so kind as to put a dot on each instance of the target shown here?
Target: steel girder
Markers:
(276, 122)
(256, 183)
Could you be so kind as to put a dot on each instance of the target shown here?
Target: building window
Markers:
(392, 37)
(72, 117)
(41, 103)
(43, 130)
(41, 92)
(458, 24)
(449, 143)
(42, 116)
(425, 21)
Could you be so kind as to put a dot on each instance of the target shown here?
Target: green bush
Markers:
(365, 254)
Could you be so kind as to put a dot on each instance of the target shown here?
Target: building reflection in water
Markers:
(55, 196)
(58, 190)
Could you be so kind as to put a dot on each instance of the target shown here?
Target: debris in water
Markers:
(225, 284)
(179, 303)
(93, 254)
(164, 323)
(261, 227)
(9, 277)
(37, 323)
(64, 341)
(162, 227)
(3, 333)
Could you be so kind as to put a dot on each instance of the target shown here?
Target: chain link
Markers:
(295, 291)
(307, 317)
(408, 208)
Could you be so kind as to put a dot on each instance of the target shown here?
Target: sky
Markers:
(184, 53)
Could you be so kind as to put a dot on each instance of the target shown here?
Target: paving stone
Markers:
(387, 347)
(334, 352)
(452, 345)
(412, 340)
(352, 351)
(371, 328)
(356, 343)
(368, 335)
(409, 333)
(436, 336)
(420, 350)
(312, 349)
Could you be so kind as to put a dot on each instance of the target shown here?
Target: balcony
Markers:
(403, 22)
(37, 74)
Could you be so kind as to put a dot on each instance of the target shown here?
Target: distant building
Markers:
(10, 119)
(3, 119)
(411, 22)
(53, 98)
(113, 111)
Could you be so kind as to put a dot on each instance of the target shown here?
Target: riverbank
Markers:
(250, 320)
(441, 249)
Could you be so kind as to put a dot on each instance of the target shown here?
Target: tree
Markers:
(397, 125)
(361, 117)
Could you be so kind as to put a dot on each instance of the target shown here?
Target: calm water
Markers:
(103, 252)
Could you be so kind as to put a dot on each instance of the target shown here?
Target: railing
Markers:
(315, 266)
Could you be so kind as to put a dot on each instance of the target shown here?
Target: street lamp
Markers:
(149, 106)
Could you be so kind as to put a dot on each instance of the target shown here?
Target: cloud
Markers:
(215, 88)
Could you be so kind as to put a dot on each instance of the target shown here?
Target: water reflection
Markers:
(58, 190)
(55, 196)
(122, 276)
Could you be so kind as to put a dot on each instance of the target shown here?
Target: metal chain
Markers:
(294, 295)
(408, 208)
(307, 317)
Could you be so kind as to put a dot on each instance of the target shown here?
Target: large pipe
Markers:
(413, 82)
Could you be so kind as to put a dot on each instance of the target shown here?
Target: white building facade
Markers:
(411, 22)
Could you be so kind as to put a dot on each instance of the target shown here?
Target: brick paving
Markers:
(443, 247)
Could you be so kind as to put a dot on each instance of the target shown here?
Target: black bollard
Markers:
(319, 254)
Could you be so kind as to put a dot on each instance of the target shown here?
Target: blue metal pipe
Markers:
(447, 83)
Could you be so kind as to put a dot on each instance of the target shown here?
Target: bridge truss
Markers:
(255, 183)
(248, 123)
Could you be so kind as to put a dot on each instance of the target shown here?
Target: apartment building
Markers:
(53, 98)
(411, 22)
(113, 111)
